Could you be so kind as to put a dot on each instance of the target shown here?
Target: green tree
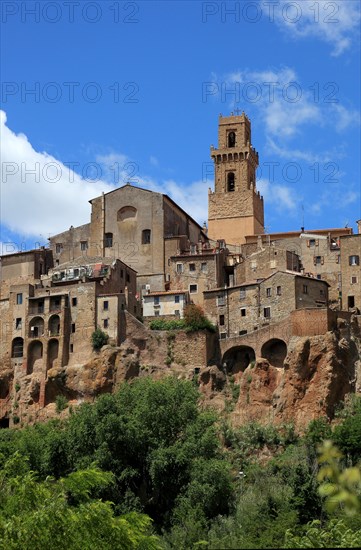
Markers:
(99, 339)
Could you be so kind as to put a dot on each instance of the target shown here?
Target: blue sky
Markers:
(95, 94)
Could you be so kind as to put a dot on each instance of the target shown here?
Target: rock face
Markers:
(317, 373)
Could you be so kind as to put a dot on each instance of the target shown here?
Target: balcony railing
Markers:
(36, 310)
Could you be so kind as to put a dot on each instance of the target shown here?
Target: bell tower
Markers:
(235, 208)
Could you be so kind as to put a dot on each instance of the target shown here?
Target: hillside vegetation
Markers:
(150, 467)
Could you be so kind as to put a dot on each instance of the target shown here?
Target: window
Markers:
(176, 312)
(305, 289)
(221, 320)
(58, 248)
(156, 300)
(105, 323)
(220, 300)
(268, 292)
(71, 348)
(318, 260)
(241, 332)
(146, 236)
(18, 323)
(192, 267)
(243, 312)
(231, 139)
(230, 181)
(83, 245)
(223, 335)
(353, 280)
(242, 294)
(156, 313)
(351, 301)
(204, 267)
(312, 242)
(279, 291)
(179, 268)
(176, 299)
(19, 299)
(108, 240)
(17, 348)
(193, 289)
(354, 260)
(319, 277)
(105, 305)
(73, 327)
(267, 312)
(74, 302)
(338, 258)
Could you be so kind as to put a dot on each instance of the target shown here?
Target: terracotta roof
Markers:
(166, 293)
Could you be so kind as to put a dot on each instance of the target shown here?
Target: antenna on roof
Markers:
(303, 218)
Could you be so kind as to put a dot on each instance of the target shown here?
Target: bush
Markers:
(61, 403)
(99, 339)
(196, 320)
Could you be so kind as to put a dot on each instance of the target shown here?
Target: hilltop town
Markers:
(286, 306)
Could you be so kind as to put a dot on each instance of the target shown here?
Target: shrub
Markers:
(196, 320)
(99, 339)
(61, 403)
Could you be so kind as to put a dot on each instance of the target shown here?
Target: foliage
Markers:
(334, 535)
(163, 324)
(195, 319)
(99, 339)
(61, 403)
(347, 435)
(62, 514)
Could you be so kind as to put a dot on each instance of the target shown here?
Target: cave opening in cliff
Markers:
(53, 351)
(238, 358)
(35, 353)
(275, 352)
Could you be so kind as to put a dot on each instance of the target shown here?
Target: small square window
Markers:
(74, 302)
(177, 299)
(176, 312)
(179, 268)
(105, 323)
(221, 320)
(83, 245)
(18, 323)
(192, 267)
(268, 292)
(279, 291)
(204, 267)
(105, 305)
(267, 312)
(193, 289)
(19, 299)
(353, 280)
(156, 300)
(58, 248)
(312, 242)
(354, 260)
(319, 277)
(243, 312)
(221, 300)
(318, 260)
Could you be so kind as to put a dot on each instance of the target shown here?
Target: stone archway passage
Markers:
(53, 351)
(238, 358)
(35, 352)
(274, 351)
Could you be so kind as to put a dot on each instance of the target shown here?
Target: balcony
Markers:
(36, 310)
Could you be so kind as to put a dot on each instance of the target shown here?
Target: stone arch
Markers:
(35, 353)
(275, 351)
(17, 348)
(231, 139)
(238, 358)
(126, 213)
(53, 352)
(54, 325)
(36, 327)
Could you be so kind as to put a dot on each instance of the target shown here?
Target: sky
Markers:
(95, 94)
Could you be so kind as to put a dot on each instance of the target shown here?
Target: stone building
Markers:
(140, 227)
(254, 304)
(235, 208)
(170, 303)
(351, 272)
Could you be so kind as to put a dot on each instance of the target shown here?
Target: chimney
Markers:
(359, 226)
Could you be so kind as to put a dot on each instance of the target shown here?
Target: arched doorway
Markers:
(17, 348)
(274, 351)
(36, 327)
(54, 325)
(35, 353)
(53, 352)
(238, 358)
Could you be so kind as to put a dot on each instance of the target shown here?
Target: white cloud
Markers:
(153, 161)
(336, 23)
(280, 197)
(55, 197)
